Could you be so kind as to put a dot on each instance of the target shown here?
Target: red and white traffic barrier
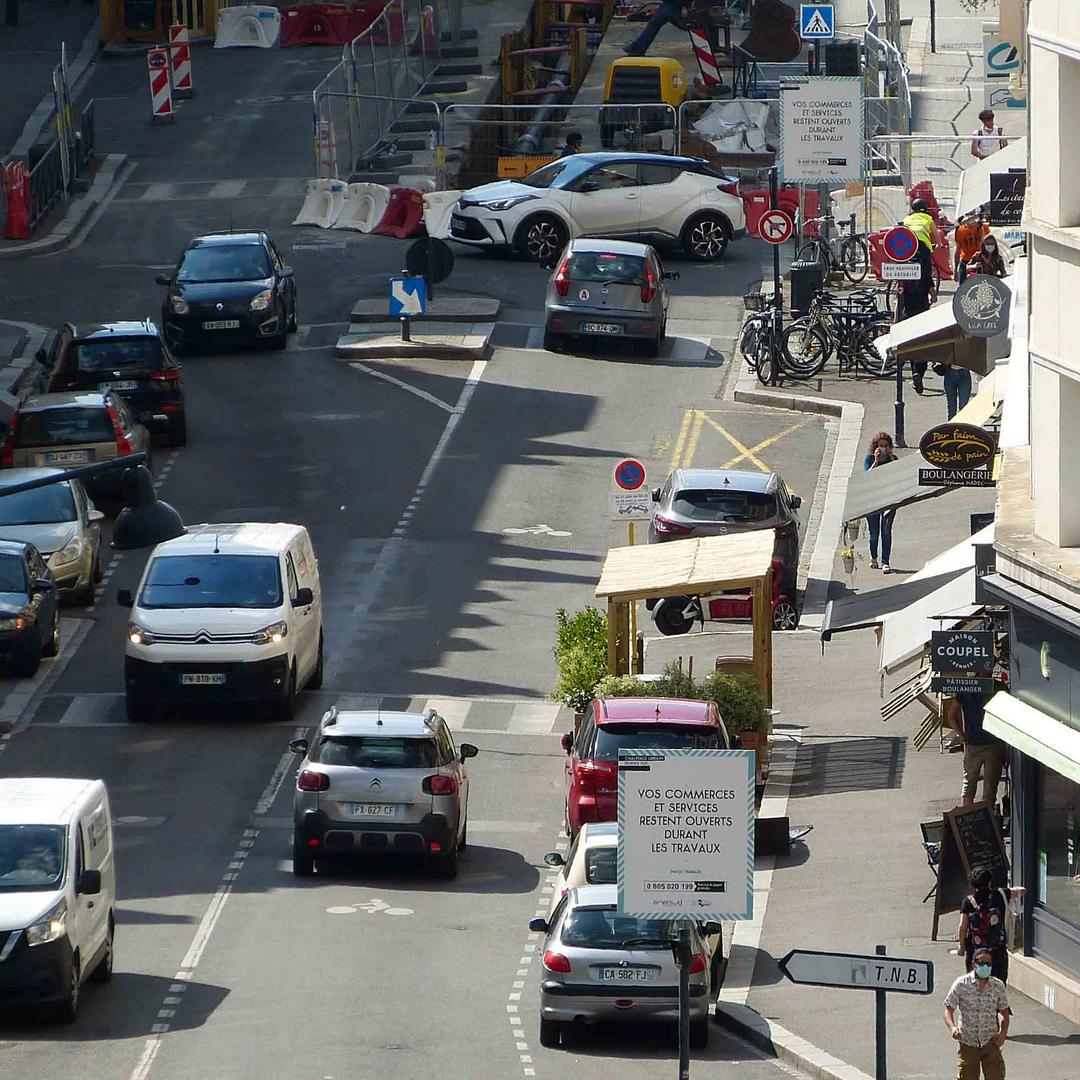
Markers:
(161, 102)
(180, 51)
(706, 62)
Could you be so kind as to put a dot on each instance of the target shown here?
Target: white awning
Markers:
(974, 187)
(1034, 733)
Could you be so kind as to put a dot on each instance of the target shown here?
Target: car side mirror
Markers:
(587, 187)
(89, 883)
(162, 279)
(41, 584)
(304, 598)
(553, 858)
(796, 502)
(655, 494)
(467, 750)
(671, 275)
(286, 271)
(567, 741)
(124, 598)
(538, 926)
(41, 355)
(299, 746)
(94, 515)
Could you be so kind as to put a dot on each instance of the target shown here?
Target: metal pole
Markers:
(879, 1025)
(933, 26)
(405, 328)
(778, 286)
(898, 405)
(684, 1002)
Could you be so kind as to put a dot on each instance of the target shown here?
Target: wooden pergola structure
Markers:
(693, 567)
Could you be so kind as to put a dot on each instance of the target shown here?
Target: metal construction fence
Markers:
(59, 168)
(888, 93)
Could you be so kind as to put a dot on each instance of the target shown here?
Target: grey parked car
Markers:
(712, 502)
(608, 289)
(381, 782)
(600, 965)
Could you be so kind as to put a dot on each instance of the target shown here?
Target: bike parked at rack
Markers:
(845, 326)
(848, 255)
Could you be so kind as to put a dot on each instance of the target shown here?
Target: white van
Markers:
(225, 614)
(57, 891)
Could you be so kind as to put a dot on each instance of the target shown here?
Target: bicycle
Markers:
(757, 336)
(847, 327)
(849, 255)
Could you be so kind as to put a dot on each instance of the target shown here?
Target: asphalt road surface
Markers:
(453, 509)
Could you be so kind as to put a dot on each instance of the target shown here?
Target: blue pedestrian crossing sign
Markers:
(817, 22)
(408, 296)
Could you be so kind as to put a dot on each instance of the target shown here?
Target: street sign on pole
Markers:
(629, 475)
(900, 271)
(630, 500)
(817, 22)
(851, 971)
(775, 226)
(900, 243)
(408, 296)
(822, 129)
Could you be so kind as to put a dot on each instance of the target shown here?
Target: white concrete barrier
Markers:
(323, 203)
(364, 207)
(438, 206)
(889, 206)
(418, 182)
(256, 26)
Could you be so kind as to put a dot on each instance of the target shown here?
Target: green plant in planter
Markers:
(580, 654)
(739, 699)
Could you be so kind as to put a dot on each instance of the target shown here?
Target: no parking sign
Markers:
(630, 499)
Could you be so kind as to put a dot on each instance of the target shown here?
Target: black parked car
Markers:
(228, 287)
(132, 359)
(29, 610)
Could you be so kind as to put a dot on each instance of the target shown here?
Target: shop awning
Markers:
(974, 188)
(934, 336)
(870, 608)
(1034, 733)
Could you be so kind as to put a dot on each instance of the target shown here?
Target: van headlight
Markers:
(270, 635)
(51, 927)
(69, 553)
(138, 636)
(262, 301)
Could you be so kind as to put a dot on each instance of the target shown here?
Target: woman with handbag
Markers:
(983, 922)
(880, 524)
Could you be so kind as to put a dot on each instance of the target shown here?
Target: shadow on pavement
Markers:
(650, 1042)
(856, 764)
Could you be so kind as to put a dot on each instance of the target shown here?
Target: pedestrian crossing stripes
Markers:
(287, 187)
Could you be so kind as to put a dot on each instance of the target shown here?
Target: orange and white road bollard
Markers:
(180, 51)
(161, 103)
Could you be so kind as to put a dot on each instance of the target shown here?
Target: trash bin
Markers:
(806, 279)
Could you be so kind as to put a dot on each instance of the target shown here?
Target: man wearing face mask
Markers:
(977, 1015)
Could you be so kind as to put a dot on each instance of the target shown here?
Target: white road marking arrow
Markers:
(409, 301)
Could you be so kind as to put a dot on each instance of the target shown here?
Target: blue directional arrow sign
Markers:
(817, 22)
(408, 296)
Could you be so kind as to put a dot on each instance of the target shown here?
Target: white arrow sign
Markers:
(409, 301)
(854, 972)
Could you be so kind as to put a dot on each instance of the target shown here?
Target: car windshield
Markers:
(44, 506)
(224, 262)
(212, 581)
(563, 171)
(378, 752)
(725, 505)
(610, 740)
(600, 865)
(31, 857)
(71, 426)
(608, 268)
(605, 928)
(12, 574)
(110, 354)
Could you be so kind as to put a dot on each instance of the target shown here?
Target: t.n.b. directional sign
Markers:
(849, 971)
(408, 296)
(817, 22)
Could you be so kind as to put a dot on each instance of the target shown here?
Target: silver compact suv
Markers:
(375, 782)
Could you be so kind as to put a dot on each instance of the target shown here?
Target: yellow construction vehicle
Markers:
(633, 83)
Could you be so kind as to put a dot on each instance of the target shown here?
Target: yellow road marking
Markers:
(691, 444)
(750, 453)
(688, 415)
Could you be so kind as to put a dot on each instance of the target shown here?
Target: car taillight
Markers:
(123, 443)
(648, 286)
(697, 964)
(562, 277)
(665, 527)
(171, 374)
(309, 780)
(732, 188)
(555, 961)
(440, 784)
(598, 777)
(7, 459)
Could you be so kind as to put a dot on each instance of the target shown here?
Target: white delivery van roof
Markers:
(235, 538)
(41, 800)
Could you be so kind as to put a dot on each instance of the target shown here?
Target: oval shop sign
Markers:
(958, 446)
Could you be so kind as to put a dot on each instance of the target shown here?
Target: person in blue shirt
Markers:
(880, 524)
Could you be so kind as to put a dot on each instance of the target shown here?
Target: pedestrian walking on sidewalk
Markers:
(984, 754)
(983, 922)
(880, 524)
(668, 11)
(957, 382)
(917, 296)
(987, 139)
(988, 259)
(977, 1015)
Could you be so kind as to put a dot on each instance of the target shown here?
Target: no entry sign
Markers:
(775, 226)
(900, 244)
(629, 475)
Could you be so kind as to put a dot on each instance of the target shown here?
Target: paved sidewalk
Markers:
(19, 372)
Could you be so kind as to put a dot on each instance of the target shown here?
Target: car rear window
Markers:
(600, 865)
(610, 740)
(608, 268)
(111, 354)
(605, 928)
(12, 574)
(212, 581)
(725, 505)
(64, 427)
(378, 752)
(43, 506)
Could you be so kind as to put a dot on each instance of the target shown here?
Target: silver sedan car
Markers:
(600, 965)
(608, 290)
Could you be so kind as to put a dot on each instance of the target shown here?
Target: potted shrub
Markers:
(741, 704)
(581, 656)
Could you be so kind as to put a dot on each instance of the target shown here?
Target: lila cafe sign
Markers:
(959, 456)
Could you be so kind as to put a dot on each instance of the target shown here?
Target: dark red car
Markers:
(613, 724)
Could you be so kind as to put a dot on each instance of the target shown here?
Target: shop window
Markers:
(1059, 845)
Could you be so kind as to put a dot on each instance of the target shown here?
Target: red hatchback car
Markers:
(613, 724)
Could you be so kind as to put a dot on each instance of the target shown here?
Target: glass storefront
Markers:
(1058, 847)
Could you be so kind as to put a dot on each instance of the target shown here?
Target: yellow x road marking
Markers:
(690, 432)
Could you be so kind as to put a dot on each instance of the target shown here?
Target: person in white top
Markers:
(987, 139)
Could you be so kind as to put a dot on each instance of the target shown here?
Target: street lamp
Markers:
(144, 520)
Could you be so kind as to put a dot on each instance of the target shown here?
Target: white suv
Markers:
(656, 197)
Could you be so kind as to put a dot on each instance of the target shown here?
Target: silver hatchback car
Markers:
(601, 965)
(375, 782)
(608, 290)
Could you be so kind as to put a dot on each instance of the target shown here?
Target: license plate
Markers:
(124, 384)
(627, 974)
(601, 328)
(457, 222)
(67, 457)
(222, 324)
(203, 678)
(366, 809)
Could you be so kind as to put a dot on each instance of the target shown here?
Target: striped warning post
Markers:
(180, 50)
(161, 102)
(706, 62)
